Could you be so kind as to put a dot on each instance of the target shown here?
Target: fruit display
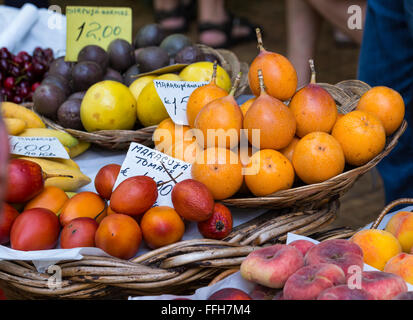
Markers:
(320, 271)
(279, 140)
(79, 95)
(22, 73)
(295, 137)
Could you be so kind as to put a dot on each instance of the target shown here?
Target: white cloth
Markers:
(29, 27)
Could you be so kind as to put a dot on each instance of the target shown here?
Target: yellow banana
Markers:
(77, 150)
(54, 167)
(13, 110)
(71, 194)
(65, 138)
(14, 126)
(68, 162)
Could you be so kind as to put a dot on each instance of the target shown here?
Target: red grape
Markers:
(8, 83)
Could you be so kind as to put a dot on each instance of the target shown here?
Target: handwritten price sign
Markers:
(175, 95)
(39, 147)
(144, 161)
(95, 25)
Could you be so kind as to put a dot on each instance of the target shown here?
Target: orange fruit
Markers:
(387, 104)
(119, 235)
(51, 197)
(220, 122)
(314, 110)
(246, 105)
(161, 226)
(185, 150)
(201, 96)
(288, 151)
(167, 133)
(271, 119)
(361, 136)
(318, 157)
(279, 73)
(83, 204)
(274, 172)
(220, 170)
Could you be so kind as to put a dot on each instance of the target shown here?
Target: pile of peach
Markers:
(330, 270)
(118, 228)
(390, 250)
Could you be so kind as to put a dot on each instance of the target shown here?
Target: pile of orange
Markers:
(306, 140)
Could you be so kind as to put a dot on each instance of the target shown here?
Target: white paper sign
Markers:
(39, 147)
(143, 161)
(175, 95)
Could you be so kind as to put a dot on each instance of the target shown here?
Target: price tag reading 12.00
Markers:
(95, 25)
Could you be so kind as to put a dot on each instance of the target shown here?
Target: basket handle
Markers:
(223, 275)
(390, 206)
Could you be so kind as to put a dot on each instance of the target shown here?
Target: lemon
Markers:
(137, 85)
(202, 71)
(108, 105)
(150, 108)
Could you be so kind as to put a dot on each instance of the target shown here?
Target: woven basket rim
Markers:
(179, 267)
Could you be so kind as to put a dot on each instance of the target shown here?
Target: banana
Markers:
(50, 166)
(14, 126)
(65, 138)
(12, 110)
(77, 150)
(68, 162)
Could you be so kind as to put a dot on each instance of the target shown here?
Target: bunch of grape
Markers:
(22, 73)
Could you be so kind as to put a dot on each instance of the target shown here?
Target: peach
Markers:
(382, 285)
(260, 292)
(404, 296)
(340, 252)
(343, 292)
(271, 266)
(401, 226)
(378, 246)
(229, 294)
(302, 245)
(309, 281)
(402, 265)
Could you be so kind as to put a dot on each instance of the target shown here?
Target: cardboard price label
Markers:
(38, 147)
(175, 95)
(95, 25)
(143, 161)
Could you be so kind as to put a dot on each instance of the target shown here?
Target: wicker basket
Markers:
(121, 139)
(179, 268)
(346, 94)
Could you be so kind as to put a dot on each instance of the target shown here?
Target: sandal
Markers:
(243, 22)
(178, 12)
(225, 28)
(228, 27)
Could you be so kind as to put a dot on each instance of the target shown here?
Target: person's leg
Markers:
(303, 25)
(213, 12)
(386, 58)
(165, 17)
(218, 27)
(336, 13)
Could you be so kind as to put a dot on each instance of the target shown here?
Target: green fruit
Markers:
(150, 108)
(175, 43)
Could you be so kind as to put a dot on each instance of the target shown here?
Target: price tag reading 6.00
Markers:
(95, 25)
